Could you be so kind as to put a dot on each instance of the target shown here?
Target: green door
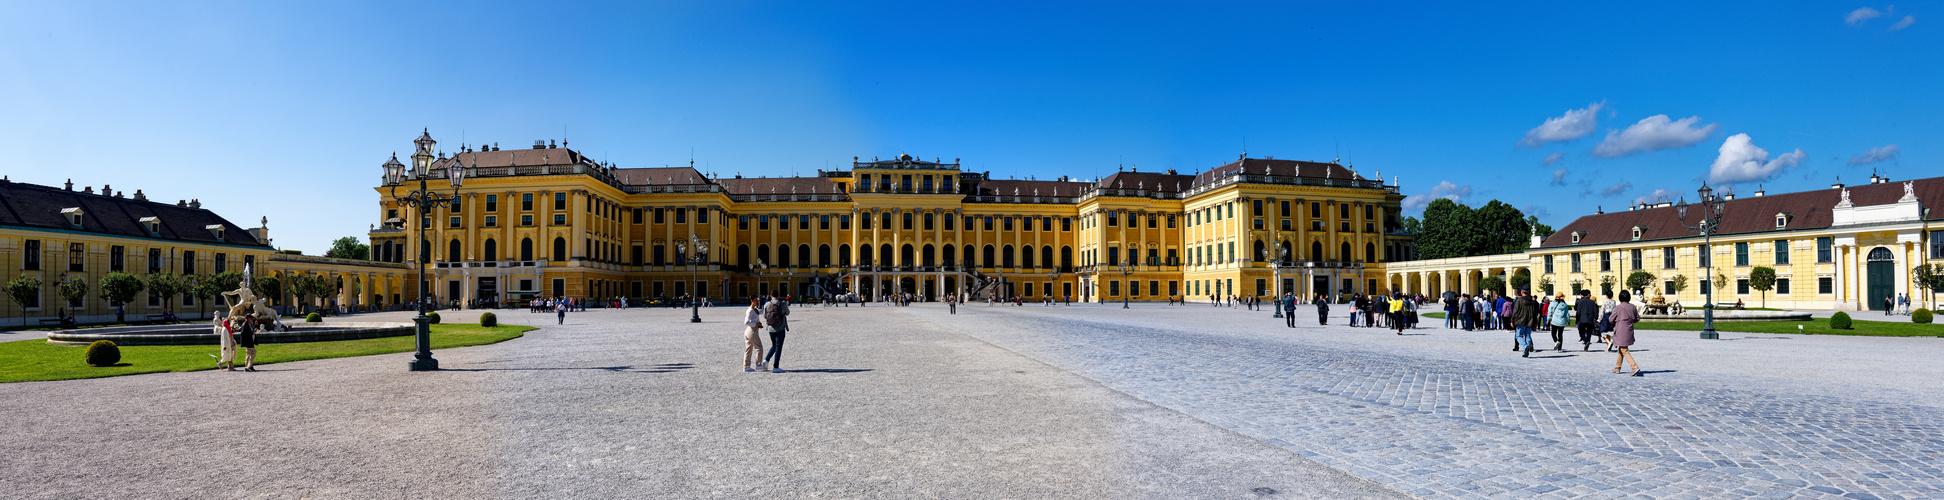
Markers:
(1881, 278)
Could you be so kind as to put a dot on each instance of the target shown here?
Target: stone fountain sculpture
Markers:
(247, 302)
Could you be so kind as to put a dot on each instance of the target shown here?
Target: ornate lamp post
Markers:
(694, 259)
(1709, 223)
(425, 200)
(1276, 269)
(1126, 269)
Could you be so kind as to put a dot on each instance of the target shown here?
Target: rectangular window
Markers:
(1781, 252)
(1256, 208)
(154, 260)
(116, 258)
(560, 219)
(1066, 223)
(492, 203)
(762, 222)
(1781, 286)
(1285, 209)
(492, 221)
(635, 254)
(1113, 288)
(526, 202)
(1258, 224)
(1667, 288)
(1825, 285)
(843, 223)
(1741, 253)
(930, 221)
(1606, 261)
(1046, 223)
(1343, 211)
(453, 222)
(1549, 264)
(702, 216)
(1316, 209)
(637, 220)
(1113, 219)
(77, 257)
(988, 223)
(1741, 287)
(1937, 244)
(560, 201)
(823, 222)
(681, 216)
(526, 220)
(1368, 213)
(661, 215)
(1667, 257)
(222, 263)
(1576, 262)
(1174, 288)
(1638, 263)
(1172, 260)
(31, 257)
(907, 221)
(188, 262)
(1704, 255)
(1171, 221)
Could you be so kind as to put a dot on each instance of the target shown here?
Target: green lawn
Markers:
(34, 360)
(1819, 326)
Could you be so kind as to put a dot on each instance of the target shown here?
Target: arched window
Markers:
(1026, 256)
(1316, 251)
(823, 255)
(560, 249)
(1345, 255)
(950, 257)
(742, 255)
(969, 254)
(864, 255)
(1261, 252)
(453, 251)
(843, 255)
(492, 251)
(884, 251)
(1006, 257)
(803, 255)
(1066, 257)
(1046, 256)
(782, 256)
(987, 258)
(905, 256)
(526, 248)
(1370, 252)
(926, 258)
(1881, 254)
(1285, 253)
(763, 256)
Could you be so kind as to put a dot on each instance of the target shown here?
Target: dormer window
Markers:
(153, 225)
(73, 216)
(1782, 219)
(1637, 231)
(215, 230)
(1577, 235)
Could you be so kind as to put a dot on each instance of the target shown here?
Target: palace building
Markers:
(1846, 248)
(56, 234)
(548, 221)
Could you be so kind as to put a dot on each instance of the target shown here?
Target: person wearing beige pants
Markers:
(752, 335)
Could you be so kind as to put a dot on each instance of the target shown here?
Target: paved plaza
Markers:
(1087, 401)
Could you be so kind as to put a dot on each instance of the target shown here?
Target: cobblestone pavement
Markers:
(1443, 413)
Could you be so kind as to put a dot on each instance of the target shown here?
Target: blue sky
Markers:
(286, 109)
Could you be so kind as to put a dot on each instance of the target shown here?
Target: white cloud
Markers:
(1559, 177)
(1553, 159)
(1904, 23)
(1742, 161)
(1576, 123)
(1874, 155)
(1622, 187)
(1444, 189)
(1659, 195)
(1654, 133)
(1858, 16)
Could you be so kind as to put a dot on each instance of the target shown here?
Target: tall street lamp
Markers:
(425, 200)
(1125, 270)
(1707, 226)
(1276, 269)
(694, 259)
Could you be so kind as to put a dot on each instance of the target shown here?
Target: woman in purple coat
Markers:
(1624, 317)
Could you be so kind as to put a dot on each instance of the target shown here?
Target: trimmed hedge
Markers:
(1921, 316)
(314, 318)
(434, 317)
(1839, 321)
(488, 320)
(103, 353)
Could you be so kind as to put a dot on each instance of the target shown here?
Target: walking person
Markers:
(1525, 315)
(1288, 304)
(1322, 310)
(226, 345)
(1624, 317)
(1889, 304)
(246, 338)
(752, 334)
(1396, 305)
(777, 315)
(1586, 314)
(560, 312)
(1556, 317)
(1606, 319)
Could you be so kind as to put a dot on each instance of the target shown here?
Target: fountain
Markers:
(246, 302)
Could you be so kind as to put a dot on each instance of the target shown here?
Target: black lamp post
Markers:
(1276, 269)
(1126, 270)
(694, 259)
(1709, 223)
(425, 200)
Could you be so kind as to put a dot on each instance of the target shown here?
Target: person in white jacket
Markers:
(752, 335)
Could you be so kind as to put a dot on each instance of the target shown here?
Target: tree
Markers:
(1929, 277)
(1503, 229)
(1539, 229)
(1493, 283)
(1638, 281)
(1546, 285)
(1606, 283)
(349, 248)
(300, 285)
(268, 287)
(212, 286)
(24, 291)
(1680, 284)
(120, 287)
(72, 290)
(1447, 230)
(1521, 281)
(1762, 279)
(166, 286)
(1720, 283)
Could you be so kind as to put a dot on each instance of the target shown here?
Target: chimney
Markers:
(70, 184)
(182, 203)
(1729, 196)
(105, 190)
(195, 203)
(139, 196)
(88, 189)
(1838, 185)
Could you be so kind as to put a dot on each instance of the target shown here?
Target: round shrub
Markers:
(433, 316)
(103, 353)
(1921, 316)
(1839, 321)
(489, 320)
(314, 318)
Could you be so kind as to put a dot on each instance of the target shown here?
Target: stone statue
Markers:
(1910, 191)
(247, 302)
(1845, 197)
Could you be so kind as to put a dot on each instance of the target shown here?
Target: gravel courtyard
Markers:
(1087, 401)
